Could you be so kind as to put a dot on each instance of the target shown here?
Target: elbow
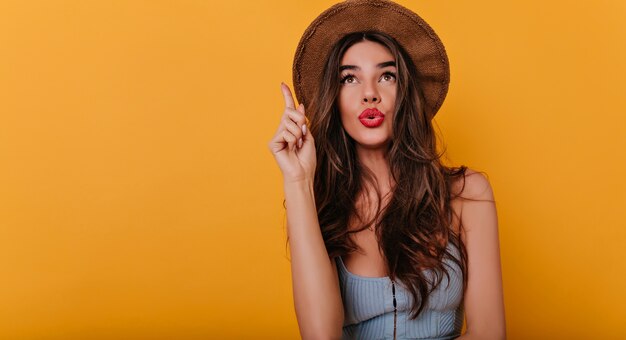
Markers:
(330, 331)
(315, 322)
(492, 334)
(495, 335)
(323, 332)
(494, 330)
(499, 336)
(322, 335)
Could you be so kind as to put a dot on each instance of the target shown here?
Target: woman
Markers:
(385, 241)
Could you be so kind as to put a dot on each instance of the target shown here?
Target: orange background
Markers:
(138, 199)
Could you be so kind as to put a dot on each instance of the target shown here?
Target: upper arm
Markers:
(484, 302)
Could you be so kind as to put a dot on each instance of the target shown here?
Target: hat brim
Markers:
(416, 37)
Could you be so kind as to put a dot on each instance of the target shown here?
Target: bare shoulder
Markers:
(472, 199)
(474, 186)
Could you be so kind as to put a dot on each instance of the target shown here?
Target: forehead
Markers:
(366, 52)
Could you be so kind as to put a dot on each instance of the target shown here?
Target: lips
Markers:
(371, 118)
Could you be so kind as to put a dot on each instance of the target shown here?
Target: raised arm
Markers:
(484, 302)
(317, 298)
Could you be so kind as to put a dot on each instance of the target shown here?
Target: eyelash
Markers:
(349, 75)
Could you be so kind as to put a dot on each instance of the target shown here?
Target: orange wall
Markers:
(138, 198)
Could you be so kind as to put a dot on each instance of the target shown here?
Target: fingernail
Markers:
(300, 143)
(304, 129)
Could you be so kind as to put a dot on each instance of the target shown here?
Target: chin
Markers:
(369, 138)
(372, 143)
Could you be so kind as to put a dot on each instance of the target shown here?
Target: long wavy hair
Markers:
(415, 226)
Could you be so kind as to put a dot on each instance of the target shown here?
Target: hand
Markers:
(293, 146)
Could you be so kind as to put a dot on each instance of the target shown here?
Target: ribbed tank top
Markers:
(369, 311)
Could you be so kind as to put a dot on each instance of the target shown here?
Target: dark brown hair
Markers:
(415, 227)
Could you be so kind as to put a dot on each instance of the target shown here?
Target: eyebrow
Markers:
(356, 68)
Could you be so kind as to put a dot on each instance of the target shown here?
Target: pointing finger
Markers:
(287, 95)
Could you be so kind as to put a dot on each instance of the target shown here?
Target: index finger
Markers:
(287, 95)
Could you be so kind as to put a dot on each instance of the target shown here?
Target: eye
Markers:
(348, 79)
(388, 76)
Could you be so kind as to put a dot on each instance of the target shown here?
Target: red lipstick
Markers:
(371, 118)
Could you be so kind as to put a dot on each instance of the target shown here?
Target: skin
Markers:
(368, 84)
(317, 298)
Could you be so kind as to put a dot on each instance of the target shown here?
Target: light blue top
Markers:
(368, 306)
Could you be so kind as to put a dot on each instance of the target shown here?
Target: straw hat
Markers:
(416, 37)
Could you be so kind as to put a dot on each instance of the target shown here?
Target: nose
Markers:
(370, 95)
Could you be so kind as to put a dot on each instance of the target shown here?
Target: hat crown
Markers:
(415, 36)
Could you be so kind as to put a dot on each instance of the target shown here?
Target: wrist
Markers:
(301, 181)
(298, 185)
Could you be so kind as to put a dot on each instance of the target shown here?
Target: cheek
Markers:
(345, 118)
(346, 98)
(389, 94)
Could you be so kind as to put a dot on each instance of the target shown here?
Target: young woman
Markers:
(385, 241)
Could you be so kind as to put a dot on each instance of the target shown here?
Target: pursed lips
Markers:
(371, 117)
(371, 113)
